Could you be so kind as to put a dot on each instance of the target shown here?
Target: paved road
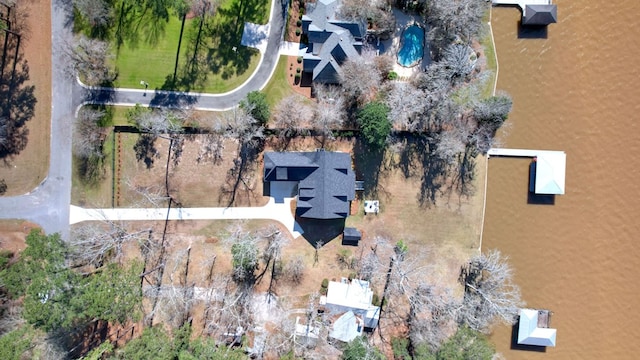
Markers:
(48, 204)
(200, 101)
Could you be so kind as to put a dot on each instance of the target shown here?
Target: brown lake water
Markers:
(576, 90)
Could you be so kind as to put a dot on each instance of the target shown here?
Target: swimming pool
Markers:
(412, 46)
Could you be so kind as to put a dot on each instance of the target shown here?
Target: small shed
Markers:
(351, 236)
(540, 15)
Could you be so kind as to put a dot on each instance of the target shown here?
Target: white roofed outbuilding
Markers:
(533, 328)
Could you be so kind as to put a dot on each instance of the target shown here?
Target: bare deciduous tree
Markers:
(291, 116)
(406, 106)
(89, 135)
(211, 148)
(94, 243)
(88, 58)
(294, 269)
(96, 12)
(161, 121)
(432, 315)
(490, 293)
(374, 11)
(453, 19)
(329, 112)
(359, 76)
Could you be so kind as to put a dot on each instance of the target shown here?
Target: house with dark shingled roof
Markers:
(331, 41)
(326, 182)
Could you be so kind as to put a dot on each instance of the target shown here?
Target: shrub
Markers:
(298, 32)
(297, 78)
(256, 103)
(374, 124)
(299, 59)
(298, 70)
(375, 300)
(392, 75)
(325, 283)
(400, 348)
(299, 23)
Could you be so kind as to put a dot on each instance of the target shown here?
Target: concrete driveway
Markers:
(277, 211)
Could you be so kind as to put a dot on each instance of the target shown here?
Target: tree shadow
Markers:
(174, 100)
(238, 177)
(368, 166)
(435, 170)
(17, 100)
(89, 338)
(145, 149)
(463, 173)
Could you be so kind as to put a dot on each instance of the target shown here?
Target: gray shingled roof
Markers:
(326, 182)
(336, 39)
(540, 15)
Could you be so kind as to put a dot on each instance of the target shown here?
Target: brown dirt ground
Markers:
(13, 234)
(29, 168)
(440, 238)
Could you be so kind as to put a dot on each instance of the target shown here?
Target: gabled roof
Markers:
(530, 334)
(326, 182)
(540, 15)
(550, 172)
(333, 40)
(347, 327)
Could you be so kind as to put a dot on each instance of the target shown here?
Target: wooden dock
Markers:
(514, 152)
(521, 3)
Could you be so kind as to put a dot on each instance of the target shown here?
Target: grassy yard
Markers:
(217, 65)
(97, 194)
(278, 86)
(486, 40)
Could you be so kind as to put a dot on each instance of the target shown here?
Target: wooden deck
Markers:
(514, 152)
(521, 3)
(543, 318)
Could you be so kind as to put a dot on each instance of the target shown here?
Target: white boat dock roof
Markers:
(550, 167)
(529, 332)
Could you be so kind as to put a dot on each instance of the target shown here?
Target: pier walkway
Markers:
(521, 3)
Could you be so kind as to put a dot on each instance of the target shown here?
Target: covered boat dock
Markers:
(547, 172)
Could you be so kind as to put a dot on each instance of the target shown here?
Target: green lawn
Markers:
(97, 194)
(151, 63)
(220, 63)
(490, 54)
(278, 87)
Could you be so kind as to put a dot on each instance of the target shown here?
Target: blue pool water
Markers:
(412, 46)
